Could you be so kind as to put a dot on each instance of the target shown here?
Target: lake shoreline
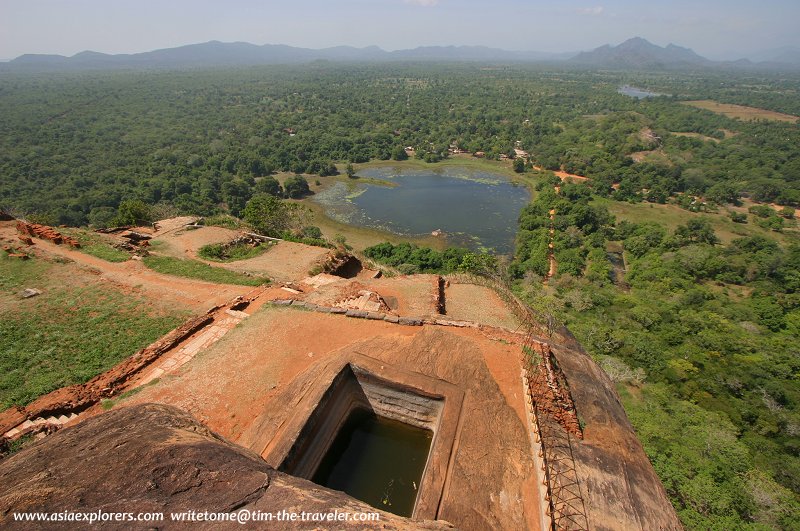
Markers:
(471, 206)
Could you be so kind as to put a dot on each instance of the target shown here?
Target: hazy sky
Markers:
(711, 27)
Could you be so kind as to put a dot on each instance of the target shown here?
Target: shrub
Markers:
(296, 187)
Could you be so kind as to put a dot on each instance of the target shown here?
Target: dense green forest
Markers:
(702, 339)
(700, 333)
(72, 145)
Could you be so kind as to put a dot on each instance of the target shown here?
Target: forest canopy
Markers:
(202, 142)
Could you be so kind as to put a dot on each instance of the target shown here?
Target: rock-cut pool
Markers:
(473, 209)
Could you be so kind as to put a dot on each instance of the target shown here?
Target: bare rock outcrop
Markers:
(156, 458)
(621, 488)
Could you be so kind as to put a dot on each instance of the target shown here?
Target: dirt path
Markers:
(133, 275)
(564, 175)
(550, 247)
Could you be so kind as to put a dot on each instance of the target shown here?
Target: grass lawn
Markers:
(73, 331)
(97, 245)
(218, 252)
(200, 271)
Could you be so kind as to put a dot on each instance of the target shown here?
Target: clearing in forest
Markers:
(742, 112)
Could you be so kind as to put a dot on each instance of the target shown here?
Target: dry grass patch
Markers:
(696, 135)
(742, 112)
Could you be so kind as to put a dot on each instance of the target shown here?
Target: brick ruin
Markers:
(555, 423)
(549, 389)
(43, 232)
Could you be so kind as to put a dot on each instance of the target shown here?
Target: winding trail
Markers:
(133, 275)
(551, 247)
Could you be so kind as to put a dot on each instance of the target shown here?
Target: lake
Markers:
(473, 209)
(635, 92)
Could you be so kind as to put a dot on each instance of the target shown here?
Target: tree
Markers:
(519, 165)
(132, 212)
(762, 211)
(399, 153)
(268, 185)
(268, 215)
(296, 186)
(351, 172)
(723, 193)
(235, 193)
(696, 230)
(102, 217)
(738, 217)
(311, 231)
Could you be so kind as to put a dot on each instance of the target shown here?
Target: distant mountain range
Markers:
(636, 53)
(786, 54)
(217, 53)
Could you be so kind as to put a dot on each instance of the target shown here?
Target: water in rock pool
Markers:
(378, 461)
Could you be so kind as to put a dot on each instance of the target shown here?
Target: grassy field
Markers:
(697, 135)
(200, 271)
(361, 237)
(741, 112)
(670, 216)
(217, 252)
(73, 331)
(97, 245)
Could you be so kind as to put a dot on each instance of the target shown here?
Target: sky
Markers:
(718, 29)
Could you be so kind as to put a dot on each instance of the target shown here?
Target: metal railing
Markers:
(566, 507)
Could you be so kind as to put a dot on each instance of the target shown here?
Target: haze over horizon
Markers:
(717, 29)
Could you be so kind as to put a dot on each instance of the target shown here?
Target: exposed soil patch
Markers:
(133, 275)
(284, 262)
(694, 135)
(184, 243)
(564, 176)
(655, 155)
(468, 302)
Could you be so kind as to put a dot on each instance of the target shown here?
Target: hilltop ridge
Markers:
(635, 54)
